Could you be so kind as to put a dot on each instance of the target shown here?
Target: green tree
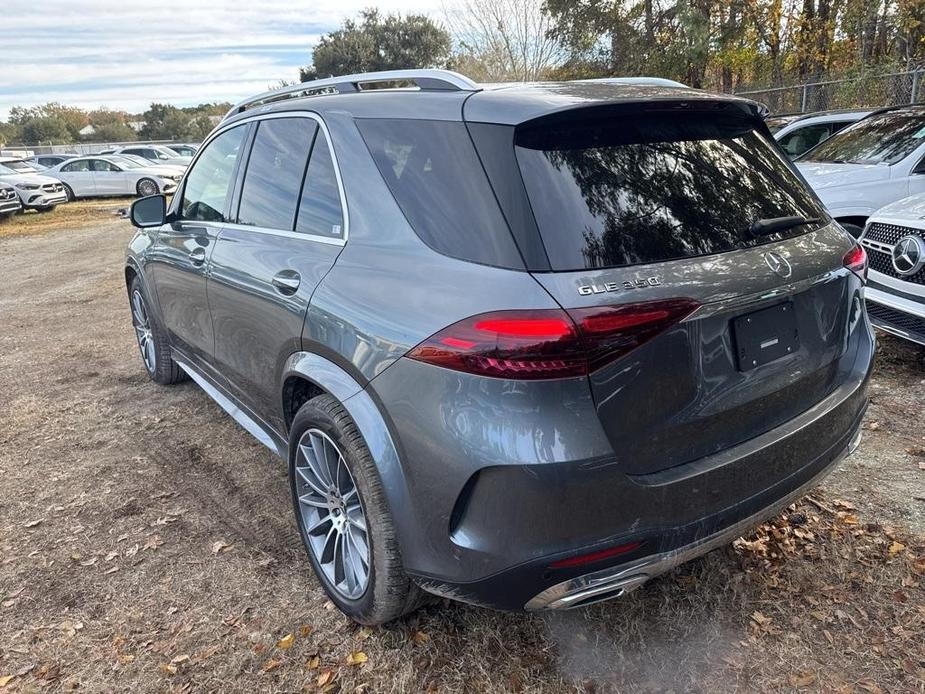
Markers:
(375, 42)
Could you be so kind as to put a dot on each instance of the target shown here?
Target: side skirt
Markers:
(248, 421)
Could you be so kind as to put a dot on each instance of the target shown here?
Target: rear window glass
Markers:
(632, 191)
(437, 179)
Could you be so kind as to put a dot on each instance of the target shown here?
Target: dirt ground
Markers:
(147, 543)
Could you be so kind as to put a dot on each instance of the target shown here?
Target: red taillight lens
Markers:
(856, 261)
(582, 559)
(549, 343)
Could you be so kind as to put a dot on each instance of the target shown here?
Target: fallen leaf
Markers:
(357, 658)
(364, 633)
(180, 659)
(419, 637)
(168, 668)
(313, 663)
(6, 679)
(896, 547)
(802, 679)
(760, 619)
(286, 641)
(305, 630)
(220, 546)
(324, 678)
(271, 664)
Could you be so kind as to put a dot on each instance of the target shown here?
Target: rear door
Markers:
(640, 210)
(79, 177)
(290, 227)
(179, 259)
(107, 177)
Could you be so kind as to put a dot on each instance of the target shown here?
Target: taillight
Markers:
(549, 343)
(856, 261)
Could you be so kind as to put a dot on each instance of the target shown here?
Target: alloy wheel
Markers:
(332, 514)
(142, 324)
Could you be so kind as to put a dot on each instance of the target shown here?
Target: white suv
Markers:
(802, 134)
(895, 242)
(36, 191)
(878, 160)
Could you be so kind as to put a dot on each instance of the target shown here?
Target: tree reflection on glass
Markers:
(645, 194)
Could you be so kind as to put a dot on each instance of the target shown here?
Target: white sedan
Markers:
(86, 177)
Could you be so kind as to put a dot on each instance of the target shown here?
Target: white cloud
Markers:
(125, 55)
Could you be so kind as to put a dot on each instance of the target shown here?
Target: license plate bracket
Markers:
(765, 336)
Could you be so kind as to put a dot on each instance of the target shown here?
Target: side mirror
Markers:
(149, 212)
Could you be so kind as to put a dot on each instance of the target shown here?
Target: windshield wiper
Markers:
(765, 227)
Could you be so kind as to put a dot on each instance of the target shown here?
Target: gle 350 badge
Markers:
(638, 283)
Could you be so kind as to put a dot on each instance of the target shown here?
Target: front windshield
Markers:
(129, 161)
(165, 153)
(883, 138)
(20, 166)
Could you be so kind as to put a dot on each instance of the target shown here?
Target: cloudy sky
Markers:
(126, 54)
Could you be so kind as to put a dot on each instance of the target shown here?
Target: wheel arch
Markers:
(306, 373)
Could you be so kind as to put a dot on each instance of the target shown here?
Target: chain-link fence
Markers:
(856, 92)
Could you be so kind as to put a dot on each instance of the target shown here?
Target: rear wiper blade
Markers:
(764, 227)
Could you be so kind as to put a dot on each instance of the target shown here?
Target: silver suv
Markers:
(526, 346)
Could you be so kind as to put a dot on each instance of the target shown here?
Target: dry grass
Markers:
(63, 217)
(147, 545)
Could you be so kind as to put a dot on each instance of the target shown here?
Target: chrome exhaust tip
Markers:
(585, 590)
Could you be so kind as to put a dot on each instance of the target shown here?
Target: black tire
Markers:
(164, 370)
(146, 187)
(69, 192)
(389, 593)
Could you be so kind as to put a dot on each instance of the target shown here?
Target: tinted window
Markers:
(435, 176)
(101, 165)
(208, 183)
(883, 138)
(320, 210)
(274, 172)
(79, 165)
(622, 192)
(802, 139)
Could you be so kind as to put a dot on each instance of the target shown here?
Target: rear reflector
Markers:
(856, 261)
(582, 559)
(549, 343)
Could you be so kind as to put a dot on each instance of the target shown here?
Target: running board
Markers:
(248, 423)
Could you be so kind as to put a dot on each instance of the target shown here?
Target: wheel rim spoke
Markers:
(331, 514)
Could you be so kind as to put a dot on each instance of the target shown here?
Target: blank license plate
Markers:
(765, 335)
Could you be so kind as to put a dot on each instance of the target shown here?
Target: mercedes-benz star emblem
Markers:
(909, 255)
(778, 264)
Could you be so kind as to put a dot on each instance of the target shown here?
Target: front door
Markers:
(180, 258)
(265, 266)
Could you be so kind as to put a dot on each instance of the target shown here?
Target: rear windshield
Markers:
(631, 191)
(883, 138)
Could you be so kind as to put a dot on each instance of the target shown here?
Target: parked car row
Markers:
(44, 181)
(870, 175)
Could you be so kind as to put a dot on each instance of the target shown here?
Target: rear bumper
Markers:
(499, 481)
(619, 580)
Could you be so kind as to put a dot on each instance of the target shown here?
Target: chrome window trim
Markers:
(288, 233)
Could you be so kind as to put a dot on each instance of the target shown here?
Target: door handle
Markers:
(287, 282)
(197, 256)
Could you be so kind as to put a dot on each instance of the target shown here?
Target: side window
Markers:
(320, 210)
(209, 182)
(274, 172)
(75, 166)
(101, 165)
(803, 139)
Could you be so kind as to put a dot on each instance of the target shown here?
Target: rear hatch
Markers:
(640, 207)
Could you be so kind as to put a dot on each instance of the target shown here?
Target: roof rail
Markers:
(431, 80)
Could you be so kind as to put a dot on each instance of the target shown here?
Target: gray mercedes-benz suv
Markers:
(525, 346)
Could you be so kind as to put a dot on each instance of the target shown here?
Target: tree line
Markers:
(55, 123)
(722, 45)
